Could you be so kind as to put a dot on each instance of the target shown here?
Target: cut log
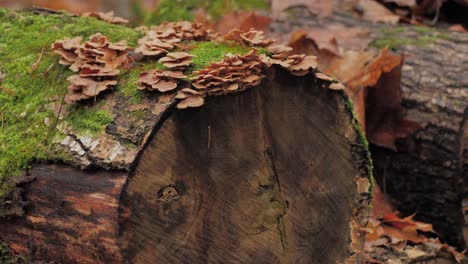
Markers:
(422, 173)
(265, 176)
(279, 173)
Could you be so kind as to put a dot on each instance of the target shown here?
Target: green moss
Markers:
(208, 52)
(88, 120)
(369, 167)
(176, 10)
(128, 86)
(24, 136)
(393, 38)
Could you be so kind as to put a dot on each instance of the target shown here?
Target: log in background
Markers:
(424, 174)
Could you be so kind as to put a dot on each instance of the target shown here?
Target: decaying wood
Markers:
(70, 218)
(263, 176)
(422, 175)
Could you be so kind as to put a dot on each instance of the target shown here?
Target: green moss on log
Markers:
(368, 163)
(26, 92)
(393, 38)
(177, 10)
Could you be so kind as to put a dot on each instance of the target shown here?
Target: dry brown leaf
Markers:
(381, 204)
(458, 28)
(333, 38)
(255, 38)
(376, 12)
(321, 7)
(403, 3)
(243, 21)
(385, 62)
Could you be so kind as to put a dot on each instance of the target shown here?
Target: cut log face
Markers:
(263, 176)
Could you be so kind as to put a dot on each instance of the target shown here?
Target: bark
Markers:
(422, 175)
(463, 165)
(278, 173)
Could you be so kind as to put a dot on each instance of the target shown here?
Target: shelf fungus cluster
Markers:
(177, 60)
(159, 40)
(161, 81)
(108, 17)
(97, 62)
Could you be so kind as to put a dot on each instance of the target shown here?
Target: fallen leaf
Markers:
(403, 3)
(243, 21)
(333, 38)
(321, 7)
(373, 11)
(381, 204)
(458, 28)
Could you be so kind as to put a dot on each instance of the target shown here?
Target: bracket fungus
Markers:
(162, 81)
(177, 60)
(108, 17)
(174, 32)
(151, 45)
(97, 61)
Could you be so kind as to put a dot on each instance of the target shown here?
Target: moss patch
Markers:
(128, 87)
(89, 120)
(177, 10)
(393, 38)
(369, 167)
(26, 94)
(208, 52)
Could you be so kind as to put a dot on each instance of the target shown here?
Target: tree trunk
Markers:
(278, 173)
(422, 174)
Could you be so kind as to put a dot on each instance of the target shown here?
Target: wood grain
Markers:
(263, 176)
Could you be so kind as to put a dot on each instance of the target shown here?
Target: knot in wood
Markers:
(168, 194)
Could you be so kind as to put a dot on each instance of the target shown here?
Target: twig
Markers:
(3, 88)
(48, 69)
(36, 64)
